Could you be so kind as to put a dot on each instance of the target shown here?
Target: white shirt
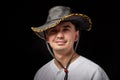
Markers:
(81, 69)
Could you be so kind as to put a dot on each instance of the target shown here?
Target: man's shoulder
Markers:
(93, 68)
(47, 65)
(89, 63)
(40, 74)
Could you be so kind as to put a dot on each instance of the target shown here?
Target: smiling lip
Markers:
(60, 42)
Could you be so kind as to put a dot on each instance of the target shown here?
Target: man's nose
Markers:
(60, 34)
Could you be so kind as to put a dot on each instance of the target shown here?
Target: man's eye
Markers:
(53, 31)
(66, 29)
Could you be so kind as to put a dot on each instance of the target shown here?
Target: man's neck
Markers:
(64, 58)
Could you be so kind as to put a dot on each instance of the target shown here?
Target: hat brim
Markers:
(84, 19)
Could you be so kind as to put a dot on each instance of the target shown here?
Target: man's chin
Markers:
(60, 49)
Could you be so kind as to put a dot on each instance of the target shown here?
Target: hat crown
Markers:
(58, 12)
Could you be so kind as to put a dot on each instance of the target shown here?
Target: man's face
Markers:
(62, 37)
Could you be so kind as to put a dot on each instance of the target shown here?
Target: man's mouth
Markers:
(60, 42)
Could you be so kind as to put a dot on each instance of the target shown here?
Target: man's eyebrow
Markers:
(66, 26)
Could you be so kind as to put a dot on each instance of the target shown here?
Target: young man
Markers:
(61, 33)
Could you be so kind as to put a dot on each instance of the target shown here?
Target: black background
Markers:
(28, 52)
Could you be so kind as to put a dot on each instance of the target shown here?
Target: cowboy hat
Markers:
(58, 14)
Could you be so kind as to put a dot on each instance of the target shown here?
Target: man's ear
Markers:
(77, 35)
